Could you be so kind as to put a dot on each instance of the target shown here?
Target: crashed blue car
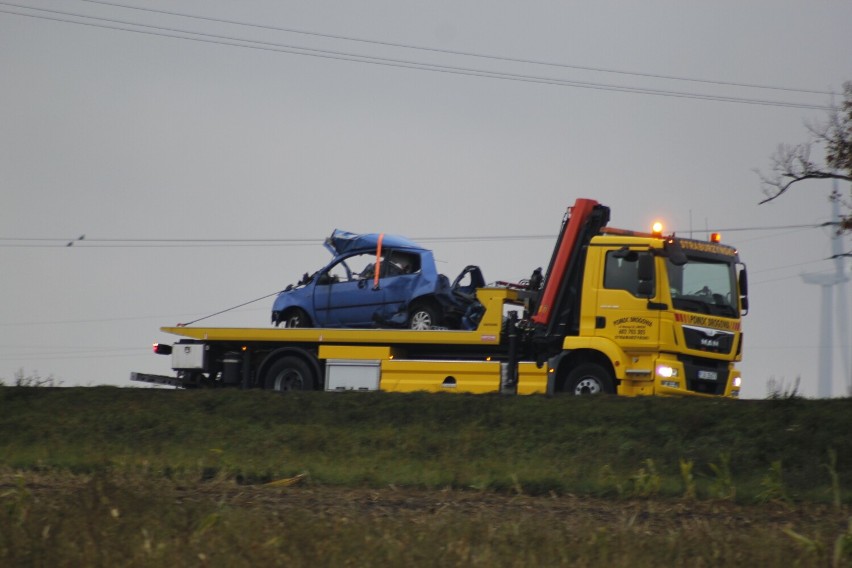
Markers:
(406, 292)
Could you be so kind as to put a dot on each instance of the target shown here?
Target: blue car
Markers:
(407, 292)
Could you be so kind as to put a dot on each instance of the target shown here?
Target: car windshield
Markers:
(704, 286)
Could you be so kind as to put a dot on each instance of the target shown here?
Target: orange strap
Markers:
(378, 267)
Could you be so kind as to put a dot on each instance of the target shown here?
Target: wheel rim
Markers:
(294, 320)
(288, 380)
(421, 320)
(588, 385)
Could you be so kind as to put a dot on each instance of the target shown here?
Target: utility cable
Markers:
(390, 62)
(62, 242)
(454, 52)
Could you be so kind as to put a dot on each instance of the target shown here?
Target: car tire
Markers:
(422, 317)
(296, 318)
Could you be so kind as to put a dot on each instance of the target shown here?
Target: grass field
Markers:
(148, 477)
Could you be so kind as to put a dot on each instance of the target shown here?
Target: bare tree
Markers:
(792, 164)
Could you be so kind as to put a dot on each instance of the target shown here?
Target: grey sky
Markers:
(123, 135)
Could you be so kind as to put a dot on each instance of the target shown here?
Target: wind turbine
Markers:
(827, 282)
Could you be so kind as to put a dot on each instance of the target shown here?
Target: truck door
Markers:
(623, 313)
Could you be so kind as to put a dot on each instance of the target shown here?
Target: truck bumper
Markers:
(156, 379)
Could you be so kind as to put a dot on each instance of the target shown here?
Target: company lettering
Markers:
(707, 321)
(634, 319)
(708, 247)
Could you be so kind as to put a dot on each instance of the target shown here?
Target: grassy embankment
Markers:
(157, 477)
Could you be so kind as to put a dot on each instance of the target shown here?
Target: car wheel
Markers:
(289, 374)
(589, 378)
(296, 318)
(423, 317)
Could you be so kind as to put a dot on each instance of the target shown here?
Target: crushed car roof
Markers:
(341, 242)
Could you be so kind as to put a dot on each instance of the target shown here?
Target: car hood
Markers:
(341, 242)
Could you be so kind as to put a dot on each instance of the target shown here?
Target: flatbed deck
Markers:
(487, 332)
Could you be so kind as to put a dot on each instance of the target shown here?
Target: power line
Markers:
(774, 227)
(68, 351)
(160, 240)
(794, 265)
(22, 242)
(87, 321)
(388, 62)
(82, 355)
(50, 242)
(91, 242)
(454, 52)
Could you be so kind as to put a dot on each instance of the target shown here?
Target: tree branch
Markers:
(792, 164)
(781, 187)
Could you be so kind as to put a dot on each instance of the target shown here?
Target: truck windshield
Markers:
(704, 286)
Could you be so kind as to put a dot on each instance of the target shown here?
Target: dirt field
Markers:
(67, 519)
(653, 514)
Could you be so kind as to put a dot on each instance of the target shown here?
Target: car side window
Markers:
(363, 267)
(337, 273)
(350, 268)
(399, 262)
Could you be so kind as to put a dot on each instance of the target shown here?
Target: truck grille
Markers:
(706, 339)
(706, 376)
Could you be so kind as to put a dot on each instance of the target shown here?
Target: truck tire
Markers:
(288, 374)
(423, 316)
(589, 378)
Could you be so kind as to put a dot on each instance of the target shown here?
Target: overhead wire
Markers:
(453, 52)
(383, 61)
(91, 242)
(92, 354)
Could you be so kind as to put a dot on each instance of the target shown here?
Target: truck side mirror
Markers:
(646, 275)
(674, 252)
(743, 281)
(646, 267)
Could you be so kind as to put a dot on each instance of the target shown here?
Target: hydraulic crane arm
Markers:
(560, 293)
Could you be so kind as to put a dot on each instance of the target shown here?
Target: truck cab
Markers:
(657, 315)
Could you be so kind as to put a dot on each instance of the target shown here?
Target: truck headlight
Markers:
(738, 381)
(666, 371)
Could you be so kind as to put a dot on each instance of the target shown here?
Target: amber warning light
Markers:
(715, 237)
(657, 229)
(162, 349)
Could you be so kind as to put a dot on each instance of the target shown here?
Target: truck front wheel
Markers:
(589, 378)
(289, 373)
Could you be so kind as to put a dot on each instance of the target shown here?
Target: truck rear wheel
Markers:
(288, 374)
(589, 378)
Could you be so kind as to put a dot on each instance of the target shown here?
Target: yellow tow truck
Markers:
(617, 312)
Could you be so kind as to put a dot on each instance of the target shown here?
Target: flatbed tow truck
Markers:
(618, 312)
